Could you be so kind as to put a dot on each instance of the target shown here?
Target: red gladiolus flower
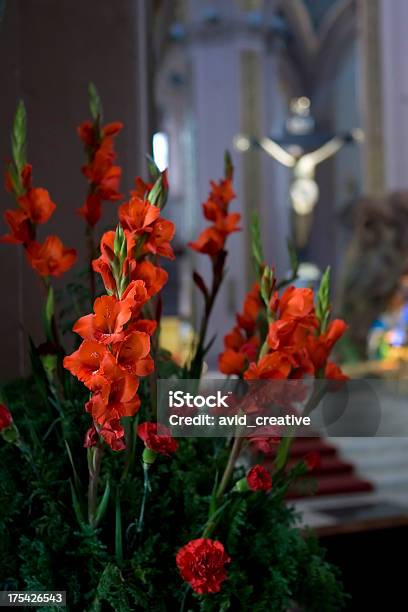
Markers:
(103, 265)
(21, 229)
(153, 276)
(112, 432)
(319, 347)
(143, 220)
(51, 258)
(114, 435)
(333, 372)
(209, 242)
(242, 340)
(212, 240)
(201, 563)
(91, 437)
(115, 392)
(6, 420)
(35, 208)
(133, 354)
(142, 189)
(296, 303)
(259, 479)
(37, 204)
(85, 363)
(25, 178)
(102, 174)
(272, 366)
(106, 325)
(162, 443)
(232, 362)
(92, 209)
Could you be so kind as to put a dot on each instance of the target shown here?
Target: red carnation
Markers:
(6, 420)
(259, 479)
(164, 443)
(201, 564)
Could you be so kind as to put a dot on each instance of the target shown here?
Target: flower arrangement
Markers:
(97, 497)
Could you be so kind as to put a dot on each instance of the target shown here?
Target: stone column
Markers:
(235, 89)
(372, 93)
(393, 49)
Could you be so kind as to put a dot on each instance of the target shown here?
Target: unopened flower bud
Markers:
(149, 456)
(118, 242)
(241, 485)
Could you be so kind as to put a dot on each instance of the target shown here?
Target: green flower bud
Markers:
(149, 456)
(241, 485)
(118, 242)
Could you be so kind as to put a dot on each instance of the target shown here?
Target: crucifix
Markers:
(301, 149)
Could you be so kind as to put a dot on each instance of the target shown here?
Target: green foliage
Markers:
(18, 148)
(323, 301)
(228, 166)
(46, 544)
(95, 104)
(256, 245)
(18, 137)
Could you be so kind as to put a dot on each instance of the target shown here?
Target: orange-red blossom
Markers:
(35, 207)
(100, 170)
(294, 346)
(115, 351)
(212, 239)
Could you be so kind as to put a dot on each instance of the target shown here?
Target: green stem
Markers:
(91, 255)
(131, 439)
(184, 599)
(229, 468)
(197, 361)
(94, 471)
(118, 530)
(146, 490)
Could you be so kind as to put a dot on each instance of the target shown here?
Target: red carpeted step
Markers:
(329, 464)
(303, 446)
(330, 485)
(332, 475)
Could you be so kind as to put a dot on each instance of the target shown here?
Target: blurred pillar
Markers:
(50, 51)
(234, 88)
(393, 41)
(372, 95)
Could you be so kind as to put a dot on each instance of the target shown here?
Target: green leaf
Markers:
(100, 513)
(71, 460)
(293, 258)
(256, 243)
(39, 373)
(153, 169)
(18, 138)
(213, 500)
(118, 530)
(228, 166)
(323, 301)
(76, 505)
(158, 193)
(49, 310)
(267, 284)
(166, 366)
(119, 243)
(283, 452)
(95, 105)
